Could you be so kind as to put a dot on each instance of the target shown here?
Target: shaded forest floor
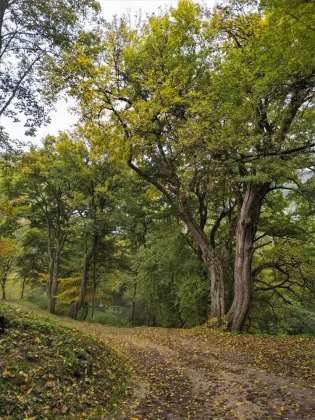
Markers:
(203, 374)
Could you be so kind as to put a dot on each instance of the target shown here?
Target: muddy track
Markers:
(179, 377)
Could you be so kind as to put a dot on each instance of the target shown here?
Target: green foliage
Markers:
(38, 301)
(113, 316)
(214, 113)
(30, 33)
(300, 320)
(169, 278)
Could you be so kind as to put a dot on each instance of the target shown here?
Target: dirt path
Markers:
(184, 378)
(181, 375)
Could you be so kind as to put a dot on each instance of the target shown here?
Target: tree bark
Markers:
(94, 287)
(76, 306)
(49, 282)
(248, 218)
(217, 308)
(6, 269)
(53, 284)
(133, 310)
(23, 287)
(211, 260)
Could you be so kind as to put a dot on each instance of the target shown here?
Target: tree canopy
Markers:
(185, 196)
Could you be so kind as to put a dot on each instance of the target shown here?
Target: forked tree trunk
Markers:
(76, 306)
(215, 270)
(212, 262)
(246, 229)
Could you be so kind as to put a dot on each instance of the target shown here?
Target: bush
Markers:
(284, 319)
(39, 301)
(114, 317)
(301, 320)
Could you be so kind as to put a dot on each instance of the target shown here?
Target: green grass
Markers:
(50, 372)
(41, 302)
(109, 316)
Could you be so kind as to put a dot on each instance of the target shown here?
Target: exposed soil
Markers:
(185, 378)
(199, 374)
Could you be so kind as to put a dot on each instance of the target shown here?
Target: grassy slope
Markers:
(51, 372)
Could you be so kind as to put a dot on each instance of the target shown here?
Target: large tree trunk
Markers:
(76, 306)
(249, 213)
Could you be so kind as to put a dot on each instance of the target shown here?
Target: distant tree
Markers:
(31, 257)
(7, 253)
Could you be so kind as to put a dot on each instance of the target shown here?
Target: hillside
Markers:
(202, 374)
(51, 372)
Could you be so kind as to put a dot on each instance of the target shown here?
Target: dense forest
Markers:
(185, 194)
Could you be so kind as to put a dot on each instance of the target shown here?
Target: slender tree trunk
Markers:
(93, 300)
(94, 287)
(6, 270)
(23, 287)
(54, 284)
(50, 279)
(249, 212)
(76, 306)
(51, 261)
(133, 311)
(154, 321)
(204, 302)
(3, 291)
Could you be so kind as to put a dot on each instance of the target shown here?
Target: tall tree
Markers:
(266, 85)
(50, 180)
(215, 113)
(30, 32)
(98, 181)
(148, 83)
